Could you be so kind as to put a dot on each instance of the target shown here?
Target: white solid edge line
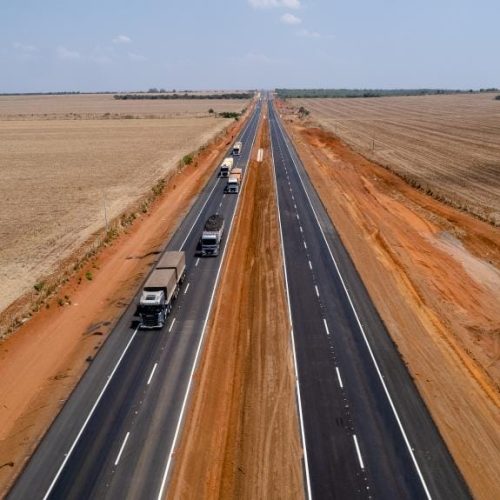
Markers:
(89, 416)
(152, 373)
(339, 377)
(200, 343)
(358, 451)
(379, 373)
(326, 326)
(121, 449)
(171, 325)
(187, 288)
(297, 387)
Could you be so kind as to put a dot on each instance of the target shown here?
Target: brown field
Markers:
(449, 146)
(56, 175)
(91, 106)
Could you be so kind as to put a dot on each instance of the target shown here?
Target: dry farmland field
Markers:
(449, 145)
(91, 106)
(58, 171)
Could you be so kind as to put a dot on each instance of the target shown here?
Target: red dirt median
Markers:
(241, 437)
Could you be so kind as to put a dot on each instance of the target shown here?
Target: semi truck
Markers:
(226, 167)
(211, 237)
(161, 289)
(234, 181)
(237, 148)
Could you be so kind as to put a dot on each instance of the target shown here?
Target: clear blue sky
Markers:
(92, 45)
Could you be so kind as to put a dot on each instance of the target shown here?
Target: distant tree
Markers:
(211, 111)
(153, 91)
(187, 160)
(303, 112)
(497, 98)
(230, 114)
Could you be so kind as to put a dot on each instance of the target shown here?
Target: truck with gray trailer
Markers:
(161, 289)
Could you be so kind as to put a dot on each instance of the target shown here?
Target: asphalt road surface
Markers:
(365, 430)
(115, 435)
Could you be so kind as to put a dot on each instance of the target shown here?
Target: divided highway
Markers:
(365, 430)
(115, 436)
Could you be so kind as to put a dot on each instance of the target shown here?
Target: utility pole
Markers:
(105, 212)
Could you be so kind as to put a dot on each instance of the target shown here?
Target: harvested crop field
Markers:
(58, 175)
(104, 106)
(448, 145)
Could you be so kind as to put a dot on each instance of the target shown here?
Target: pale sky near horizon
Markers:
(111, 45)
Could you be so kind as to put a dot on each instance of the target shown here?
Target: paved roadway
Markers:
(115, 435)
(365, 429)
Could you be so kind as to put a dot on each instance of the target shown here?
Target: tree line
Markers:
(342, 93)
(154, 95)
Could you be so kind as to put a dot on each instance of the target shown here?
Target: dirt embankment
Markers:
(42, 362)
(241, 437)
(433, 273)
(446, 145)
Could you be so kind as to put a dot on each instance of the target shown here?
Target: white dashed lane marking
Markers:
(338, 376)
(171, 325)
(326, 326)
(152, 373)
(360, 458)
(121, 449)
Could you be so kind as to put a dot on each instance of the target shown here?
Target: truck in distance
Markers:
(161, 289)
(234, 181)
(237, 148)
(225, 167)
(211, 237)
